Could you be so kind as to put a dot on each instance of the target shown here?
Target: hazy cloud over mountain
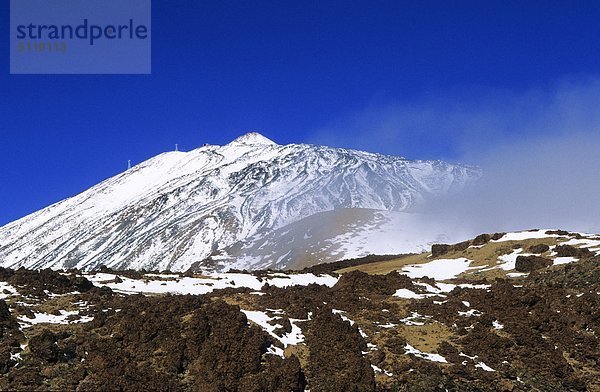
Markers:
(540, 151)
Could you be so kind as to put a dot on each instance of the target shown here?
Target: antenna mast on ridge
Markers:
(176, 147)
(128, 164)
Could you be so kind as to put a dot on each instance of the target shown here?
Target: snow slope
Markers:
(178, 208)
(335, 235)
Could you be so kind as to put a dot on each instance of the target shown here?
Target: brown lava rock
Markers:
(539, 248)
(442, 249)
(335, 362)
(497, 236)
(531, 263)
(557, 232)
(537, 333)
(571, 251)
(44, 346)
(481, 239)
(35, 282)
(10, 336)
(439, 249)
(358, 282)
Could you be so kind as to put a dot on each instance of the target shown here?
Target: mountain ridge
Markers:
(177, 208)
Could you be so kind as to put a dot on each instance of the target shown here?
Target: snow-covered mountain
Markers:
(178, 208)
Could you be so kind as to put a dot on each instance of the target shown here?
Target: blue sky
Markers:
(377, 75)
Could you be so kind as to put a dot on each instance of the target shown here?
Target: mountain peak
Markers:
(254, 138)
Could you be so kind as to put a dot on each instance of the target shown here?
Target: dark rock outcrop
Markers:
(571, 251)
(539, 248)
(336, 362)
(439, 249)
(531, 263)
(481, 239)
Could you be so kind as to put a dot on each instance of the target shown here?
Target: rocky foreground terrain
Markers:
(502, 312)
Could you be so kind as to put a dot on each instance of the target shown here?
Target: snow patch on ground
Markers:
(6, 287)
(415, 319)
(508, 261)
(525, 235)
(406, 293)
(40, 318)
(428, 356)
(441, 269)
(470, 313)
(582, 243)
(564, 260)
(184, 285)
(517, 274)
(479, 364)
(379, 370)
(263, 320)
(287, 280)
(483, 366)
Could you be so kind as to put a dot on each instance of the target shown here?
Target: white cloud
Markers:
(540, 151)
